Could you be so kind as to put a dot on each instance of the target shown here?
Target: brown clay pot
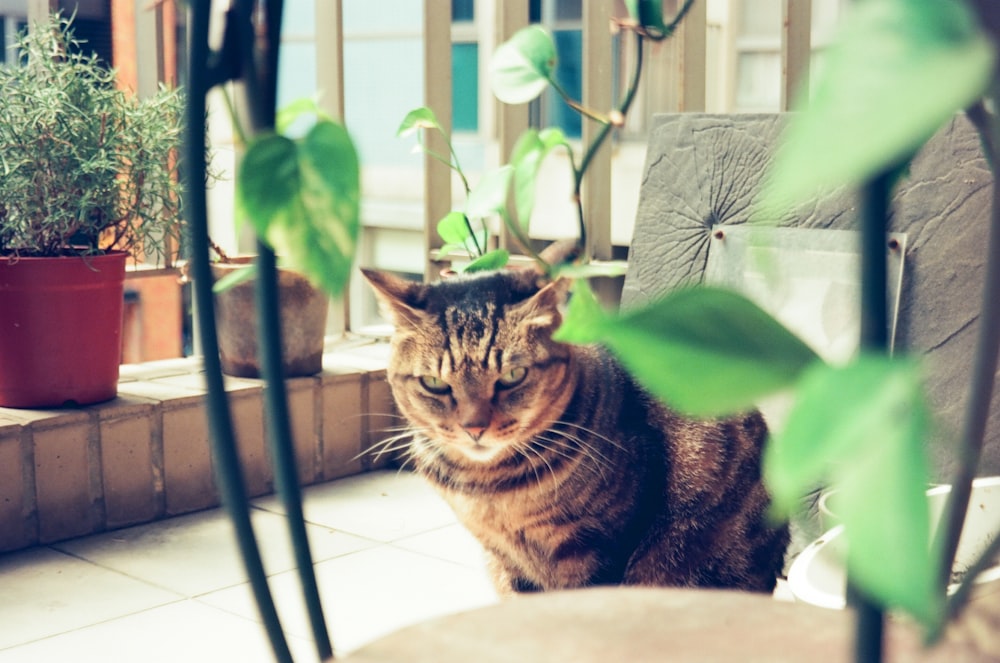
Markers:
(60, 329)
(303, 323)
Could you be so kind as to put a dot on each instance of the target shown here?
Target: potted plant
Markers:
(522, 68)
(303, 307)
(862, 427)
(303, 304)
(88, 178)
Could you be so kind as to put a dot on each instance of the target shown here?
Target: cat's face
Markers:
(473, 365)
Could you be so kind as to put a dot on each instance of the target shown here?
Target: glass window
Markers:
(463, 10)
(758, 79)
(760, 18)
(569, 73)
(465, 86)
(569, 10)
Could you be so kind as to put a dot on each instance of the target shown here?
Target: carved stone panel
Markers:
(705, 170)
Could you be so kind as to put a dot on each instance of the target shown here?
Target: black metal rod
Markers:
(228, 472)
(261, 84)
(870, 625)
(280, 437)
(984, 369)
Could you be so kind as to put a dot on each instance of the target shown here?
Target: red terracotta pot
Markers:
(60, 329)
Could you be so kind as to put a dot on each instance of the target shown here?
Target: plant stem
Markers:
(875, 339)
(602, 135)
(677, 19)
(232, 485)
(984, 368)
(472, 235)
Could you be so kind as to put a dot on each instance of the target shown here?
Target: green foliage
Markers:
(705, 351)
(85, 166)
(523, 66)
(303, 197)
(466, 230)
(898, 70)
(862, 429)
(526, 158)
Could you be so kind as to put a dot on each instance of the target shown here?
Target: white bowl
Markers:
(817, 574)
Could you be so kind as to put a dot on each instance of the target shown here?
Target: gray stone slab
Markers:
(704, 170)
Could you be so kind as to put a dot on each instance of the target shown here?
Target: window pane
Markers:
(758, 82)
(535, 11)
(569, 10)
(463, 10)
(569, 44)
(465, 86)
(761, 18)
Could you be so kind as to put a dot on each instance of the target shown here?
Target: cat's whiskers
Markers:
(587, 446)
(402, 440)
(525, 448)
(589, 431)
(582, 450)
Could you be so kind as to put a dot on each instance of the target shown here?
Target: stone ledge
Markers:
(145, 455)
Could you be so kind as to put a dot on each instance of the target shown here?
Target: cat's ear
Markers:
(397, 297)
(542, 309)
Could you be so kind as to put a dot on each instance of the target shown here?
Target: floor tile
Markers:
(45, 592)
(197, 553)
(384, 505)
(452, 542)
(371, 593)
(186, 631)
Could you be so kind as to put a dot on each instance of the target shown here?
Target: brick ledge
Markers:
(145, 455)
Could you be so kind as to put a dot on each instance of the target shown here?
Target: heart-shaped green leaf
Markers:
(862, 428)
(416, 119)
(526, 158)
(489, 196)
(522, 66)
(703, 351)
(453, 228)
(489, 261)
(898, 70)
(303, 198)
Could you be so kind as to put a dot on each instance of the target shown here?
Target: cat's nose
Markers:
(475, 432)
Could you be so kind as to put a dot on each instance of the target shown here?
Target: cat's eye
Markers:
(433, 384)
(512, 378)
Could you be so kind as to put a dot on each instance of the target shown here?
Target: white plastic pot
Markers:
(817, 574)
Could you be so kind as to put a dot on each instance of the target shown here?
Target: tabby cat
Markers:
(566, 471)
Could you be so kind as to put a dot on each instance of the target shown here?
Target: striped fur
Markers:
(565, 470)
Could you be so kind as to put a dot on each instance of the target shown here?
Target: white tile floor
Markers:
(388, 553)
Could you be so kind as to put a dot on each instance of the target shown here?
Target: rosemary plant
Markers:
(86, 167)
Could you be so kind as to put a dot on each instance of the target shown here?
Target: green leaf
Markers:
(416, 119)
(522, 66)
(489, 261)
(268, 180)
(862, 428)
(234, 278)
(489, 196)
(589, 270)
(303, 198)
(453, 228)
(703, 351)
(287, 115)
(526, 158)
(899, 69)
(649, 14)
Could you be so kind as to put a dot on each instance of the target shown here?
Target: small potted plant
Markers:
(88, 178)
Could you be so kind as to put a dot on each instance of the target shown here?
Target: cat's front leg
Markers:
(506, 578)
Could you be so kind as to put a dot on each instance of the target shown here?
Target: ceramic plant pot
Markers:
(303, 319)
(817, 575)
(60, 329)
